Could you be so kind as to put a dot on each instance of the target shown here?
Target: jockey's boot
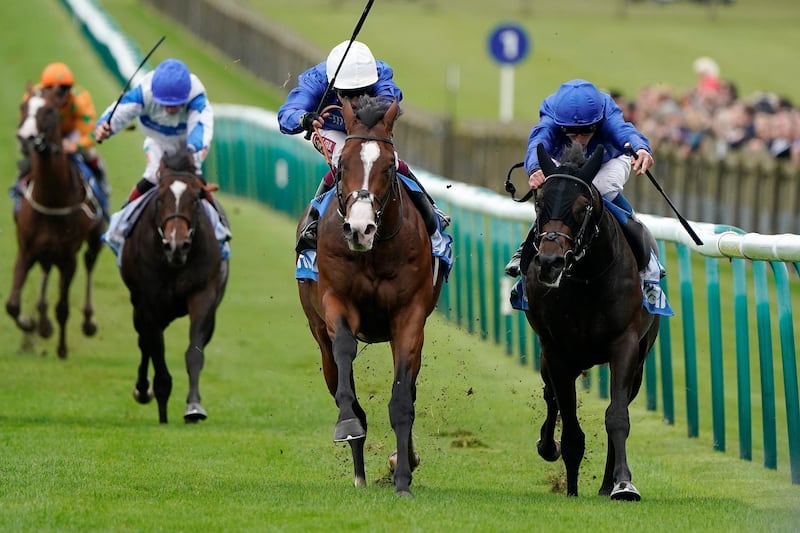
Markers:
(444, 219)
(98, 169)
(635, 232)
(512, 268)
(307, 238)
(139, 189)
(17, 189)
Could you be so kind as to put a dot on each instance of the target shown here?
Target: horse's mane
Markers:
(180, 161)
(572, 159)
(371, 109)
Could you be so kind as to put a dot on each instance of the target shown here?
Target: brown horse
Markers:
(173, 266)
(57, 214)
(585, 303)
(376, 282)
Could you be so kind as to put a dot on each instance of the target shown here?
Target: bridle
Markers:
(192, 222)
(588, 230)
(345, 201)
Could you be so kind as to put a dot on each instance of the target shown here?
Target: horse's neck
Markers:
(56, 181)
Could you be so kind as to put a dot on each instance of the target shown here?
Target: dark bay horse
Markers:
(376, 282)
(173, 266)
(585, 303)
(57, 214)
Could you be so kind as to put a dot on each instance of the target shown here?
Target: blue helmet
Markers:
(171, 83)
(578, 103)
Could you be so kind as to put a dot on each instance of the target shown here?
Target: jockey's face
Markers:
(172, 109)
(580, 134)
(61, 93)
(580, 138)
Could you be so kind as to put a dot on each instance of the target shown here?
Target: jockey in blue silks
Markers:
(578, 112)
(360, 74)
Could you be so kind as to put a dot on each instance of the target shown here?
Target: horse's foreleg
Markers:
(44, 325)
(151, 344)
(573, 440)
(626, 377)
(202, 321)
(67, 272)
(94, 245)
(348, 425)
(548, 448)
(407, 351)
(13, 307)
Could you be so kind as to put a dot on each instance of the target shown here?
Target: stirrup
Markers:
(512, 268)
(308, 237)
(444, 218)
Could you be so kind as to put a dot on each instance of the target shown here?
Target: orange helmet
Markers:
(57, 74)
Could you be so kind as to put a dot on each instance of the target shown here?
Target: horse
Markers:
(172, 264)
(377, 283)
(58, 214)
(585, 304)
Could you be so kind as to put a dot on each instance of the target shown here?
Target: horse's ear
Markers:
(589, 169)
(391, 115)
(545, 161)
(348, 114)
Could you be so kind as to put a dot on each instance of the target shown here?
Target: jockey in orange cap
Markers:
(76, 117)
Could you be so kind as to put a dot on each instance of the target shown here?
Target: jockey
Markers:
(173, 111)
(360, 74)
(76, 115)
(579, 112)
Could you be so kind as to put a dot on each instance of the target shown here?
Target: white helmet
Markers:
(358, 70)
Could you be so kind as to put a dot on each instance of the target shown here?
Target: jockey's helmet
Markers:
(578, 103)
(171, 83)
(57, 74)
(358, 69)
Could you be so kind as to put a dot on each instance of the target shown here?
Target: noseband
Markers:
(192, 222)
(583, 237)
(365, 194)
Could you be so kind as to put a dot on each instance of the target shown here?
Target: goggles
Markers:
(586, 129)
(61, 90)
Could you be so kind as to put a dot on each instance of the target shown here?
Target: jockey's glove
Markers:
(307, 120)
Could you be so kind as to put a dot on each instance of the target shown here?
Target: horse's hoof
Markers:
(89, 328)
(143, 398)
(45, 329)
(28, 325)
(404, 493)
(549, 455)
(624, 491)
(360, 482)
(349, 429)
(393, 461)
(194, 413)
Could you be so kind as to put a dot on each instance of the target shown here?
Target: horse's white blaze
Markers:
(370, 151)
(28, 127)
(177, 188)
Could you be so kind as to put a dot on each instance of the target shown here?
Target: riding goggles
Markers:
(585, 129)
(61, 90)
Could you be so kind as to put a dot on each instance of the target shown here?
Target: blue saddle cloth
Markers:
(441, 242)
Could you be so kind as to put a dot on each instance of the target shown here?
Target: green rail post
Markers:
(767, 372)
(689, 341)
(715, 352)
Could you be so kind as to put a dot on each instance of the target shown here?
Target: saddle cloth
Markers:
(123, 221)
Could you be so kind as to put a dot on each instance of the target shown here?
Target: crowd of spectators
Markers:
(712, 118)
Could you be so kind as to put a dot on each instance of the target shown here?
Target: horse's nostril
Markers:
(370, 229)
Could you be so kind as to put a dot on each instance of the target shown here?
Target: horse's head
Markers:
(566, 212)
(367, 169)
(178, 205)
(38, 126)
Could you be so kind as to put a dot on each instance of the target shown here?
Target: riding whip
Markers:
(336, 73)
(128, 83)
(658, 187)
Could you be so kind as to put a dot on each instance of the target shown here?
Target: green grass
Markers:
(78, 454)
(753, 42)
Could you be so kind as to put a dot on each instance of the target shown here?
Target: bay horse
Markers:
(585, 304)
(172, 264)
(376, 282)
(58, 214)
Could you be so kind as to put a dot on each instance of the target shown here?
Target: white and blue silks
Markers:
(441, 242)
(654, 300)
(123, 221)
